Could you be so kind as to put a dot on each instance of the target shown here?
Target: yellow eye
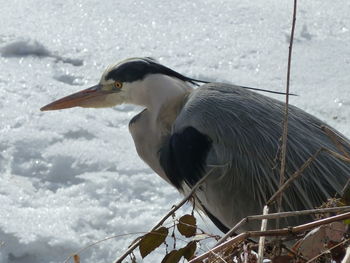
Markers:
(118, 85)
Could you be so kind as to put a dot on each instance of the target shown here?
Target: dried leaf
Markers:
(152, 240)
(335, 231)
(173, 257)
(189, 250)
(76, 258)
(187, 225)
(313, 243)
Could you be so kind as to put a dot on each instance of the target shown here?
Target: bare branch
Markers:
(280, 215)
(275, 232)
(175, 208)
(97, 242)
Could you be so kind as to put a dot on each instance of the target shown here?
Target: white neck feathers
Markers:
(155, 90)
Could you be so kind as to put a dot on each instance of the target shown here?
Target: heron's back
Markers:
(244, 128)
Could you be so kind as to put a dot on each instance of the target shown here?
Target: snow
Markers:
(70, 178)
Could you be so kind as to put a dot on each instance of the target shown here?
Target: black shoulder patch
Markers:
(183, 156)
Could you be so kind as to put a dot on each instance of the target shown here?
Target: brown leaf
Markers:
(189, 250)
(335, 231)
(173, 257)
(187, 225)
(315, 241)
(152, 240)
(76, 258)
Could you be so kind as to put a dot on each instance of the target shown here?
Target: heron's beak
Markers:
(92, 97)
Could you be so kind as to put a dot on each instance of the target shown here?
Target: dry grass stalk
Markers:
(337, 140)
(285, 120)
(302, 168)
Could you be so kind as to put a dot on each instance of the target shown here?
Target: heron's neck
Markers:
(156, 90)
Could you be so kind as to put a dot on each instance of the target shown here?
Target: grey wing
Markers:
(237, 131)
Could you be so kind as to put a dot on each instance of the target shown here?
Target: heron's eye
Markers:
(118, 85)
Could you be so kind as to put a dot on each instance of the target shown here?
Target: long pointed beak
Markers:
(83, 98)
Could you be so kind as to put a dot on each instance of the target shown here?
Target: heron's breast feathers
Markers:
(169, 112)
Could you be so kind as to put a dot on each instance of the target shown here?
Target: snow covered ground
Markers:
(73, 177)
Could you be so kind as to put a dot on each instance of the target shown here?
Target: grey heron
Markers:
(184, 131)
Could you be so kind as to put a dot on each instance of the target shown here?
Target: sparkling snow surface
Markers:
(69, 178)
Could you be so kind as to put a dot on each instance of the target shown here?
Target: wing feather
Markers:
(244, 129)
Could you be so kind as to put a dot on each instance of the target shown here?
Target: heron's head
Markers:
(118, 85)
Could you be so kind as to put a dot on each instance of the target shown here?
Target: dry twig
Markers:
(78, 252)
(280, 215)
(300, 171)
(171, 212)
(276, 232)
